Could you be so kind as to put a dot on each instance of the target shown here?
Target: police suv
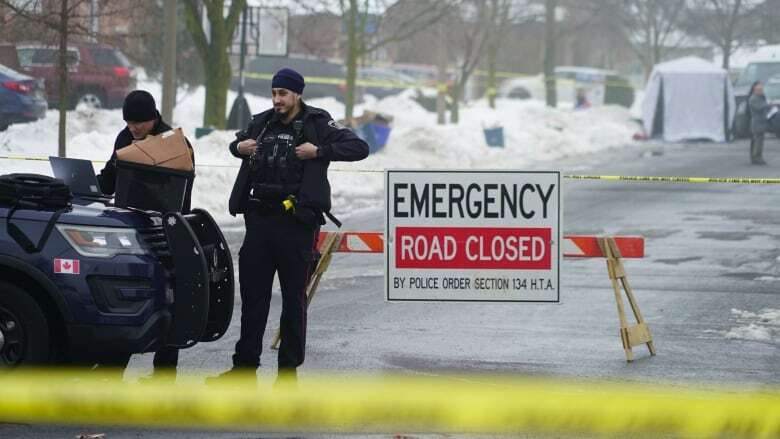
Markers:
(82, 279)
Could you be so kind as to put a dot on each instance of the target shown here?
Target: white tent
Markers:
(688, 98)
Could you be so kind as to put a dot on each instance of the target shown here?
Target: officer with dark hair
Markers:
(283, 191)
(142, 119)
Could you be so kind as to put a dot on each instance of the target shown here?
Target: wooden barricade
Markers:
(613, 249)
(633, 335)
(329, 243)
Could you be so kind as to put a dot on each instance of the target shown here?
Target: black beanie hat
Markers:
(139, 106)
(289, 79)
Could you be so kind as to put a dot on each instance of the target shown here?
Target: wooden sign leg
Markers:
(638, 315)
(329, 245)
(633, 335)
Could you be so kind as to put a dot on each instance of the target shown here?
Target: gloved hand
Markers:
(308, 216)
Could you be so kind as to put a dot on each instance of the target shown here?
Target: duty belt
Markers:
(266, 207)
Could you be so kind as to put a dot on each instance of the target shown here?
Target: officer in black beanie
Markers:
(283, 191)
(142, 118)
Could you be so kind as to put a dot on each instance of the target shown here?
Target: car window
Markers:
(25, 57)
(772, 90)
(758, 72)
(41, 56)
(108, 57)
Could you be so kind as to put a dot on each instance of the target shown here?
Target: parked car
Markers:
(323, 78)
(99, 75)
(424, 74)
(382, 82)
(22, 98)
(107, 280)
(762, 66)
(600, 86)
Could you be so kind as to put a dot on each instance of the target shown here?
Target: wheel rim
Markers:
(90, 100)
(12, 338)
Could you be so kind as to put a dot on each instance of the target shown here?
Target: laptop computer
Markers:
(78, 174)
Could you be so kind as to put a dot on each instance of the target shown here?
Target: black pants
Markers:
(274, 243)
(757, 147)
(165, 357)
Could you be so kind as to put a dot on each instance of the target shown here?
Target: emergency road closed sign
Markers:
(489, 236)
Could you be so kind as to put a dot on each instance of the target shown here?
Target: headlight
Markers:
(102, 242)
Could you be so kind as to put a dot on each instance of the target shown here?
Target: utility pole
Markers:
(441, 78)
(169, 64)
(550, 38)
(239, 114)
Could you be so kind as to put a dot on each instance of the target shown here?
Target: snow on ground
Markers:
(532, 133)
(763, 326)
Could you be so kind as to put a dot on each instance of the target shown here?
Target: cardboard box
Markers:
(168, 150)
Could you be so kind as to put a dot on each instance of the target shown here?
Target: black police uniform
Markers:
(165, 357)
(278, 239)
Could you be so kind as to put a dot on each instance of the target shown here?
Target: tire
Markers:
(91, 98)
(23, 329)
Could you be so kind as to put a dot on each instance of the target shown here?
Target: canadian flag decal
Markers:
(66, 266)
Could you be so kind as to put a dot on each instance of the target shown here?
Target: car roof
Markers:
(766, 54)
(71, 45)
(584, 70)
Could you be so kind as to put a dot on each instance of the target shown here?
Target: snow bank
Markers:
(532, 133)
(763, 326)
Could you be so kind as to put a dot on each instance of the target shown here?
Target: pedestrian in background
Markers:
(759, 108)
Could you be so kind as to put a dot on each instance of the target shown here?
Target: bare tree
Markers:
(468, 32)
(723, 23)
(213, 51)
(653, 27)
(508, 12)
(61, 23)
(421, 15)
(768, 26)
(550, 43)
(581, 13)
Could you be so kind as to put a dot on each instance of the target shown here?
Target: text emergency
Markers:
(491, 200)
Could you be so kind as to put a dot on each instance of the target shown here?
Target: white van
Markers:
(763, 65)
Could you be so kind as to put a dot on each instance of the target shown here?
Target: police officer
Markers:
(283, 191)
(142, 118)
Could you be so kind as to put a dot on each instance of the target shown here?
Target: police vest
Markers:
(277, 172)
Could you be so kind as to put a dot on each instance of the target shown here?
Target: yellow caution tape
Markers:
(735, 180)
(419, 84)
(46, 159)
(637, 178)
(455, 404)
(343, 81)
(19, 157)
(569, 81)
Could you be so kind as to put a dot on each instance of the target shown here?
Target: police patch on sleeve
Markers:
(333, 124)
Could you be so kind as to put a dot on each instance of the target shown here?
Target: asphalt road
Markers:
(712, 266)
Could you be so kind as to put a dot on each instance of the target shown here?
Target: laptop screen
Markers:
(76, 173)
